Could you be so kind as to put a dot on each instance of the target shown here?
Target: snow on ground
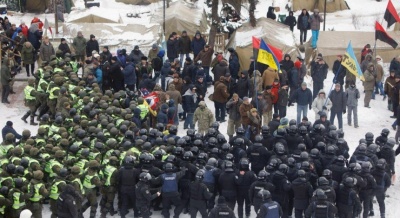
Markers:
(373, 119)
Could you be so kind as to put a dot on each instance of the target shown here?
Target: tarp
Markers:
(93, 15)
(182, 16)
(137, 2)
(117, 35)
(333, 43)
(37, 5)
(273, 33)
(310, 5)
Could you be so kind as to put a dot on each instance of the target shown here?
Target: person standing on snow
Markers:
(291, 21)
(319, 70)
(303, 25)
(315, 23)
(321, 104)
(339, 100)
(352, 95)
(369, 84)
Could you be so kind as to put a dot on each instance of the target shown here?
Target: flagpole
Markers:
(333, 82)
(255, 75)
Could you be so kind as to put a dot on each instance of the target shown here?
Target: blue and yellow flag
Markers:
(351, 64)
(266, 56)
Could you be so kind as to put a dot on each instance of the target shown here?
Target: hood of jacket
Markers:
(161, 53)
(164, 108)
(136, 112)
(368, 56)
(287, 56)
(171, 87)
(321, 91)
(166, 65)
(171, 103)
(271, 9)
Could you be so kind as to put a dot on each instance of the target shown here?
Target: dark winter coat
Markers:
(136, 56)
(243, 86)
(172, 48)
(291, 21)
(315, 21)
(34, 36)
(117, 77)
(283, 97)
(340, 73)
(64, 48)
(271, 14)
(9, 129)
(234, 65)
(189, 101)
(221, 93)
(302, 97)
(197, 44)
(129, 74)
(166, 68)
(185, 45)
(28, 54)
(395, 65)
(233, 109)
(339, 101)
(319, 72)
(147, 83)
(273, 125)
(162, 115)
(302, 191)
(91, 45)
(46, 51)
(282, 188)
(220, 69)
(106, 56)
(228, 182)
(243, 109)
(303, 21)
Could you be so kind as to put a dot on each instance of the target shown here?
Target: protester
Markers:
(315, 21)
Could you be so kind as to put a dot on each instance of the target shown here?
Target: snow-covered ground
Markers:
(370, 120)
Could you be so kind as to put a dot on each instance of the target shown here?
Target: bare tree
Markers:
(252, 8)
(214, 22)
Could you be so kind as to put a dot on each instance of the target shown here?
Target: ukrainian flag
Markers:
(266, 56)
(351, 64)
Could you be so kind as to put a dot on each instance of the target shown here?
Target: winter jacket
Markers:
(243, 86)
(98, 73)
(379, 72)
(302, 191)
(283, 97)
(157, 62)
(291, 20)
(106, 56)
(303, 21)
(339, 71)
(352, 96)
(255, 124)
(395, 65)
(172, 48)
(136, 56)
(319, 102)
(315, 21)
(273, 125)
(339, 101)
(28, 54)
(174, 94)
(364, 63)
(92, 45)
(197, 44)
(389, 85)
(274, 90)
(172, 112)
(116, 76)
(269, 99)
(221, 93)
(258, 86)
(189, 103)
(271, 14)
(369, 83)
(286, 65)
(79, 45)
(152, 54)
(129, 74)
(185, 45)
(34, 36)
(162, 115)
(302, 97)
(46, 51)
(166, 68)
(243, 109)
(294, 77)
(269, 76)
(234, 65)
(220, 69)
(65, 48)
(350, 77)
(319, 72)
(233, 109)
(204, 117)
(205, 57)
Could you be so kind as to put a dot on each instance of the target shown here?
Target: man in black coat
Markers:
(116, 75)
(199, 194)
(8, 128)
(184, 46)
(105, 55)
(287, 63)
(339, 100)
(243, 85)
(92, 45)
(228, 180)
(302, 192)
(221, 210)
(319, 70)
(339, 71)
(172, 47)
(283, 186)
(66, 206)
(291, 21)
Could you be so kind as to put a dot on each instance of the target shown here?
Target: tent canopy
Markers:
(93, 15)
(182, 16)
(118, 35)
(273, 33)
(333, 43)
(37, 6)
(310, 5)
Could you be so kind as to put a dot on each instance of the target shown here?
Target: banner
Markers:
(351, 64)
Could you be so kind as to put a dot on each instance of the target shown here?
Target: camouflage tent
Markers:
(137, 2)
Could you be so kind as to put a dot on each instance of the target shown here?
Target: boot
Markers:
(26, 116)
(33, 121)
(382, 215)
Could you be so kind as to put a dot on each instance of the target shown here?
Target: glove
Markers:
(309, 107)
(344, 111)
(324, 108)
(289, 103)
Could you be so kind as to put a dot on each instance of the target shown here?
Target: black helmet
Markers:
(320, 194)
(198, 143)
(258, 139)
(292, 129)
(4, 190)
(327, 173)
(385, 132)
(215, 151)
(240, 131)
(301, 147)
(129, 161)
(304, 155)
(153, 133)
(191, 132)
(63, 172)
(303, 130)
(244, 164)
(292, 122)
(321, 146)
(81, 133)
(281, 132)
(332, 127)
(362, 141)
(212, 142)
(332, 134)
(366, 166)
(283, 168)
(72, 112)
(170, 159)
(194, 150)
(305, 165)
(10, 168)
(373, 148)
(262, 175)
(142, 132)
(238, 142)
(355, 167)
(323, 114)
(350, 182)
(221, 139)
(369, 136)
(178, 151)
(319, 128)
(362, 149)
(188, 155)
(160, 127)
(228, 166)
(229, 157)
(58, 120)
(200, 174)
(215, 125)
(291, 162)
(381, 164)
(264, 194)
(202, 156)
(330, 150)
(340, 133)
(18, 183)
(225, 147)
(391, 142)
(158, 154)
(314, 153)
(173, 129)
(301, 173)
(144, 177)
(211, 132)
(212, 162)
(279, 148)
(147, 146)
(322, 181)
(20, 170)
(265, 130)
(99, 146)
(25, 162)
(168, 167)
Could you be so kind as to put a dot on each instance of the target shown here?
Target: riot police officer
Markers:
(321, 208)
(127, 179)
(269, 208)
(222, 210)
(199, 194)
(143, 195)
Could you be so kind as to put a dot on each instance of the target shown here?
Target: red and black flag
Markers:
(391, 15)
(381, 34)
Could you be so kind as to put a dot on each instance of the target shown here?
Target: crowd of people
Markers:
(100, 134)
